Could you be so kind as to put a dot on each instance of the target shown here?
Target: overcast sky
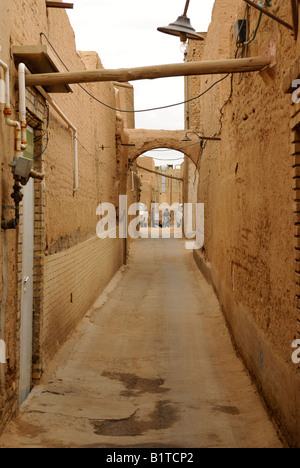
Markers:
(124, 33)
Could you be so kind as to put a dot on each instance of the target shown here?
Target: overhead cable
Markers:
(139, 110)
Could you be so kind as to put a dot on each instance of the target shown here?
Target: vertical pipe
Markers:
(6, 80)
(74, 132)
(76, 169)
(22, 96)
(3, 306)
(22, 104)
(7, 111)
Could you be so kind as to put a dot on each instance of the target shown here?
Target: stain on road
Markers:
(227, 409)
(136, 385)
(151, 365)
(164, 416)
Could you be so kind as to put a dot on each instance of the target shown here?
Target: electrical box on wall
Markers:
(21, 167)
(240, 31)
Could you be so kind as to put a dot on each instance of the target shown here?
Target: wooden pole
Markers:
(186, 7)
(159, 173)
(295, 13)
(212, 67)
(50, 4)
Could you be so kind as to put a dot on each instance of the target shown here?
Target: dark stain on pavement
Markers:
(227, 409)
(163, 417)
(136, 385)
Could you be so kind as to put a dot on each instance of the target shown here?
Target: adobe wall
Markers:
(125, 102)
(71, 265)
(172, 188)
(144, 140)
(246, 185)
(192, 123)
(148, 194)
(8, 247)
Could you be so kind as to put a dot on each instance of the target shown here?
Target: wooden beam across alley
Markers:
(210, 67)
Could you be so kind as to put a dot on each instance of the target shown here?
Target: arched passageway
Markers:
(161, 181)
(140, 141)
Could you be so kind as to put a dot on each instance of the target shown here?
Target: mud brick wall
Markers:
(72, 281)
(64, 221)
(247, 184)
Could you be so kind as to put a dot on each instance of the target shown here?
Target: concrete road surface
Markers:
(151, 365)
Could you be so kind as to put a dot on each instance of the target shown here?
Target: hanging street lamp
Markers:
(182, 28)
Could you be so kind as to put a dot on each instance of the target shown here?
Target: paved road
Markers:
(151, 365)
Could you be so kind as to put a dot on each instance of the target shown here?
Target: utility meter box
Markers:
(240, 31)
(22, 167)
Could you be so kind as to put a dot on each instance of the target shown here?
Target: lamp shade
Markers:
(182, 28)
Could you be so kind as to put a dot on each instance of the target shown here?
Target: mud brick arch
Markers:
(141, 141)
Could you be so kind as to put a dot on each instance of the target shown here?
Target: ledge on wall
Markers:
(203, 265)
(39, 59)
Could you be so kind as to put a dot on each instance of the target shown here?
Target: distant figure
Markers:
(153, 216)
(166, 218)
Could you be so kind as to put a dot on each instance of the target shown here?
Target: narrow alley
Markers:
(151, 365)
(117, 122)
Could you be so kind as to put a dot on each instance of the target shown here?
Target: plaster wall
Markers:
(246, 184)
(71, 265)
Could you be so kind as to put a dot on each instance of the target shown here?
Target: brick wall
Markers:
(148, 194)
(64, 221)
(73, 280)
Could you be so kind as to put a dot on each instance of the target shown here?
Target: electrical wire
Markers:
(110, 167)
(160, 159)
(238, 48)
(155, 108)
(162, 150)
(133, 111)
(255, 31)
(114, 170)
(82, 145)
(139, 110)
(265, 5)
(45, 132)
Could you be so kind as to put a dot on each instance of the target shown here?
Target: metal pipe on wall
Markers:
(22, 104)
(8, 112)
(23, 71)
(3, 308)
(74, 133)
